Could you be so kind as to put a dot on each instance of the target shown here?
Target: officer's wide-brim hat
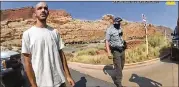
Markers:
(117, 20)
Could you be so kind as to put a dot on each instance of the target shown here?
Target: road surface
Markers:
(161, 73)
(83, 80)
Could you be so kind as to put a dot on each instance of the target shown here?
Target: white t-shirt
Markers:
(44, 45)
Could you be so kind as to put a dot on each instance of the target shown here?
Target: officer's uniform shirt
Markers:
(113, 37)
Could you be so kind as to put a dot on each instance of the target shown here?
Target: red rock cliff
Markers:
(15, 21)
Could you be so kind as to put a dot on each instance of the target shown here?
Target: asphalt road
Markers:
(83, 80)
(164, 73)
(160, 73)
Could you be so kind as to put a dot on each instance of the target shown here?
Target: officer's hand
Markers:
(110, 56)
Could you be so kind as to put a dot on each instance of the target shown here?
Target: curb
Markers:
(126, 66)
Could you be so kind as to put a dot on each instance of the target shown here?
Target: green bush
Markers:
(135, 55)
(157, 42)
(138, 54)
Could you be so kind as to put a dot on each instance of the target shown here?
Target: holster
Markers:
(117, 48)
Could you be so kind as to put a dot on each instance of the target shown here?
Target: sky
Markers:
(156, 13)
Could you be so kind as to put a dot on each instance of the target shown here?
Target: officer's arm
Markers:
(107, 47)
(107, 42)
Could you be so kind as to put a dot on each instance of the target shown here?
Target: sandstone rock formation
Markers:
(15, 21)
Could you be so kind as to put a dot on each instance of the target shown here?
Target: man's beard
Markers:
(42, 19)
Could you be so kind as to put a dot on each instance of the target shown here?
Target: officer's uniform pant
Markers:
(118, 60)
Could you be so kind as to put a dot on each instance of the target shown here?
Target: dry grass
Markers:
(89, 59)
(90, 52)
(137, 54)
(89, 56)
(156, 44)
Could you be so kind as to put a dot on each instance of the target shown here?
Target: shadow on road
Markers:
(144, 82)
(167, 59)
(164, 51)
(141, 81)
(81, 83)
(109, 69)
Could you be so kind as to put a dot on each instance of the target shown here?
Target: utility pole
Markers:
(145, 25)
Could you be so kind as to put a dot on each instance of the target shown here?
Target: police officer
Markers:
(116, 45)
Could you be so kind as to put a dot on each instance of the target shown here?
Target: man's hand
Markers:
(71, 81)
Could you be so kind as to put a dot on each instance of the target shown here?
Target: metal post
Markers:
(146, 39)
(145, 25)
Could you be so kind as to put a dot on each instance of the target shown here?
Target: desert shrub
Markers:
(135, 55)
(89, 59)
(157, 42)
(87, 51)
(69, 56)
(101, 47)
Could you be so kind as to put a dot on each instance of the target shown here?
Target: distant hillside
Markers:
(162, 30)
(15, 21)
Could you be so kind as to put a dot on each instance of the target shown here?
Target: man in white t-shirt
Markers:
(44, 60)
